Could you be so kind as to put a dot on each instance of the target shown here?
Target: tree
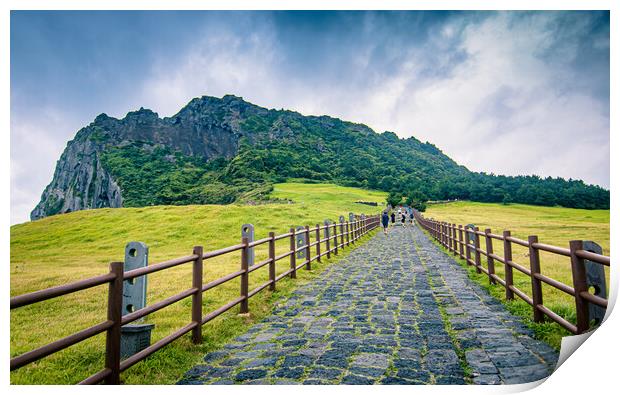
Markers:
(394, 198)
(507, 199)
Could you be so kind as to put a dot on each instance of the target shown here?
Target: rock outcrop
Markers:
(207, 127)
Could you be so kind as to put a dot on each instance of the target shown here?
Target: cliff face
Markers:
(218, 151)
(79, 182)
(207, 127)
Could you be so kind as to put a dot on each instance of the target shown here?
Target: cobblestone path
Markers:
(397, 310)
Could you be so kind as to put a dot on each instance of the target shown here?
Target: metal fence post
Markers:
(113, 334)
(537, 296)
(490, 261)
(197, 296)
(272, 262)
(507, 268)
(243, 306)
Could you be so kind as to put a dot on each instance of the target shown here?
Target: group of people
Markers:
(401, 216)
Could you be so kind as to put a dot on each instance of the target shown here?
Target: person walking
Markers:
(411, 217)
(402, 218)
(393, 218)
(385, 221)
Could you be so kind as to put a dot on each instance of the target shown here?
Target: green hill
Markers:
(219, 151)
(73, 246)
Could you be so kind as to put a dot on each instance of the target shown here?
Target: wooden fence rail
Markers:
(464, 242)
(110, 374)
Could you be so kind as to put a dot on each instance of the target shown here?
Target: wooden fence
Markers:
(344, 234)
(465, 242)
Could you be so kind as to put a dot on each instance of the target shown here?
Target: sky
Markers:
(500, 92)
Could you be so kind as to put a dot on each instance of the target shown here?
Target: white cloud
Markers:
(497, 95)
(221, 63)
(37, 141)
(501, 110)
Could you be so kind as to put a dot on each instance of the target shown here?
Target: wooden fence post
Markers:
(335, 239)
(441, 233)
(342, 233)
(113, 334)
(293, 247)
(467, 246)
(243, 306)
(272, 262)
(318, 243)
(455, 249)
(441, 238)
(490, 261)
(477, 251)
(308, 266)
(347, 231)
(580, 284)
(507, 268)
(537, 296)
(328, 237)
(461, 241)
(197, 296)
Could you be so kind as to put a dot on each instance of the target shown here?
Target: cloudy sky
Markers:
(503, 92)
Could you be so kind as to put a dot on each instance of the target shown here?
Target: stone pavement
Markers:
(397, 310)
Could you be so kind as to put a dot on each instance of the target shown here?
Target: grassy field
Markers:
(553, 225)
(70, 247)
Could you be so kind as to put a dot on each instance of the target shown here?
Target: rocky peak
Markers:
(205, 127)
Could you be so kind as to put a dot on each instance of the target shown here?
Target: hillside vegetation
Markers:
(73, 246)
(219, 151)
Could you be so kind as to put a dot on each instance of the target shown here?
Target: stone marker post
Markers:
(136, 336)
(247, 231)
(595, 275)
(300, 239)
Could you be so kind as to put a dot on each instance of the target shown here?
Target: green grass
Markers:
(553, 225)
(70, 247)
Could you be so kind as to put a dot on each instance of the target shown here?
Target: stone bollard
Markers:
(470, 236)
(247, 231)
(327, 234)
(300, 241)
(135, 337)
(595, 275)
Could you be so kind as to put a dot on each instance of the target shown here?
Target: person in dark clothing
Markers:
(393, 218)
(411, 218)
(402, 218)
(385, 221)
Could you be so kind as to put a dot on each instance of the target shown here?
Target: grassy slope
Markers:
(553, 225)
(73, 246)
